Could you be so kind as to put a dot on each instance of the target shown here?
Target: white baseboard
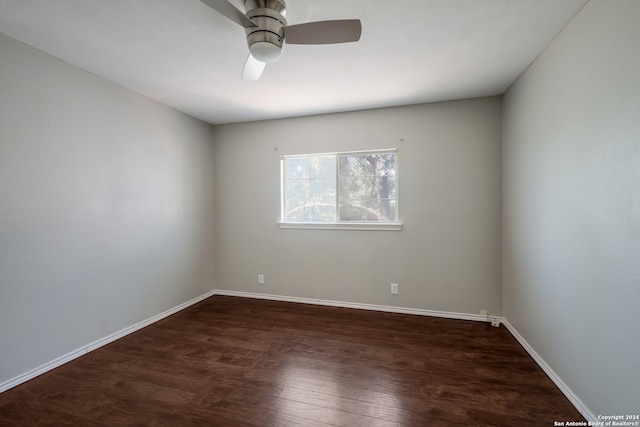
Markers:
(361, 306)
(97, 344)
(581, 407)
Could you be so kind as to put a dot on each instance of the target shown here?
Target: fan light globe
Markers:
(265, 51)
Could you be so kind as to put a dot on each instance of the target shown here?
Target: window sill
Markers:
(342, 226)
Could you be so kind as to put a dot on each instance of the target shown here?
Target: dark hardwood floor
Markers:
(242, 362)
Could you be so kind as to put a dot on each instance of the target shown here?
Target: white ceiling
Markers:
(183, 54)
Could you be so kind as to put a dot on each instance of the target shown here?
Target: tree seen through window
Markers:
(344, 187)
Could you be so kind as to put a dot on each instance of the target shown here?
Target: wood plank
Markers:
(241, 362)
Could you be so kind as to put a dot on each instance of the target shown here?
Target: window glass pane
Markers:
(323, 212)
(352, 209)
(383, 187)
(322, 167)
(385, 164)
(355, 187)
(309, 189)
(381, 210)
(355, 165)
(297, 189)
(323, 190)
(366, 189)
(297, 168)
(296, 211)
(367, 210)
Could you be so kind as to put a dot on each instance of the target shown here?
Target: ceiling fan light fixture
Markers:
(265, 51)
(267, 31)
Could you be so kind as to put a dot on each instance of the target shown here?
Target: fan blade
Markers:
(228, 10)
(324, 32)
(252, 69)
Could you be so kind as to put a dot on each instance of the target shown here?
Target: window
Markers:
(340, 190)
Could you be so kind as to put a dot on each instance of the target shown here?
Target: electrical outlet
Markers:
(394, 289)
(260, 279)
(484, 313)
(495, 323)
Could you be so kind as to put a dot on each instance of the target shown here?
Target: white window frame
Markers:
(340, 225)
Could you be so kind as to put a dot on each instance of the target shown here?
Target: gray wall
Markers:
(106, 208)
(572, 206)
(448, 255)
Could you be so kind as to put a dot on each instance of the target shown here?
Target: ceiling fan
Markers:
(267, 30)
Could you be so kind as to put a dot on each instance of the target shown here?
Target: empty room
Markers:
(336, 213)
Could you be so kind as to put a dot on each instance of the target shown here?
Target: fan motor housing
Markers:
(266, 40)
